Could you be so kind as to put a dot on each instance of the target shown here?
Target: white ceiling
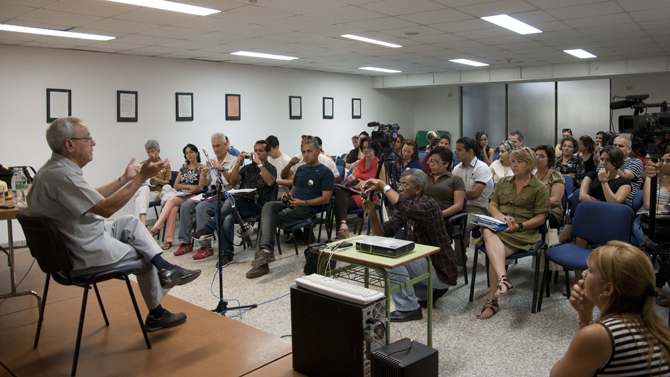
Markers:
(310, 30)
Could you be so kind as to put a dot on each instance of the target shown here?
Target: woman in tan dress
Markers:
(522, 202)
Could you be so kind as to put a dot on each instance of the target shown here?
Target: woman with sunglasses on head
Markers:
(501, 168)
(629, 338)
(486, 153)
(564, 133)
(544, 155)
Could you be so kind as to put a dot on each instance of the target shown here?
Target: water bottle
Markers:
(23, 188)
(15, 188)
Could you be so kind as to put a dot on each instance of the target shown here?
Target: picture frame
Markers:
(355, 108)
(295, 107)
(126, 106)
(59, 104)
(184, 107)
(233, 108)
(328, 104)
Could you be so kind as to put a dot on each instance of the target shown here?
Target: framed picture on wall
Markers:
(355, 108)
(126, 106)
(233, 109)
(295, 107)
(327, 108)
(59, 104)
(184, 105)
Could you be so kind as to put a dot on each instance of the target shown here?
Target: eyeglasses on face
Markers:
(540, 157)
(87, 139)
(431, 161)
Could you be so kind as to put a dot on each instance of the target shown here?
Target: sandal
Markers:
(661, 299)
(503, 280)
(167, 245)
(490, 304)
(153, 232)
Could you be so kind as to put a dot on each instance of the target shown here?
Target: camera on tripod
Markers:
(385, 135)
(653, 128)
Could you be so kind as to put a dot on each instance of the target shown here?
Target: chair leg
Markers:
(535, 283)
(464, 258)
(555, 277)
(41, 317)
(80, 330)
(546, 279)
(137, 311)
(567, 282)
(277, 240)
(102, 308)
(295, 239)
(474, 274)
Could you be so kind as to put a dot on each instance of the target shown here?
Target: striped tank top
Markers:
(629, 353)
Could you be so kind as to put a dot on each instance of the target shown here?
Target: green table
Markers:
(381, 264)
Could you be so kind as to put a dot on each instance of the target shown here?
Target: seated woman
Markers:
(160, 183)
(564, 133)
(569, 164)
(409, 156)
(500, 168)
(397, 146)
(522, 202)
(192, 177)
(448, 190)
(629, 338)
(424, 163)
(363, 169)
(544, 155)
(617, 188)
(486, 153)
(587, 148)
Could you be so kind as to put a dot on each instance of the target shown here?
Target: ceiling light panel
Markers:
(512, 24)
(55, 33)
(262, 55)
(171, 6)
(380, 69)
(469, 62)
(369, 40)
(580, 53)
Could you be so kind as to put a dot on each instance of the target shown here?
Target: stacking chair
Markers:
(569, 185)
(457, 224)
(637, 201)
(47, 246)
(595, 222)
(535, 251)
(320, 218)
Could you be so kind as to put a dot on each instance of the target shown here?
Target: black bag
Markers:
(662, 228)
(312, 261)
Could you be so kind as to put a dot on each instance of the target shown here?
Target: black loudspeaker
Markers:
(405, 358)
(328, 334)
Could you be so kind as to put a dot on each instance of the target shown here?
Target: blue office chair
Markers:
(637, 200)
(340, 169)
(456, 227)
(340, 162)
(595, 222)
(569, 184)
(48, 247)
(535, 251)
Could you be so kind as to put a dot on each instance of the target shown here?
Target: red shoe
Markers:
(203, 253)
(183, 249)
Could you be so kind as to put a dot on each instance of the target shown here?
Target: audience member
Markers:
(430, 135)
(587, 148)
(446, 189)
(522, 202)
(363, 170)
(312, 188)
(259, 175)
(231, 150)
(409, 156)
(501, 168)
(397, 145)
(565, 133)
(160, 183)
(608, 138)
(569, 164)
(318, 140)
(629, 338)
(421, 218)
(222, 165)
(60, 193)
(354, 154)
(279, 160)
(354, 141)
(190, 180)
(632, 168)
(298, 160)
(486, 153)
(516, 137)
(599, 140)
(476, 176)
(544, 155)
(443, 141)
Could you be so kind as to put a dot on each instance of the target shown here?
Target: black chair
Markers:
(535, 251)
(457, 228)
(320, 218)
(48, 247)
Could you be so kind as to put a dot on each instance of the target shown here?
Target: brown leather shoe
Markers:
(257, 272)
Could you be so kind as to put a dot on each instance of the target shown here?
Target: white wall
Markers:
(94, 78)
(435, 110)
(656, 85)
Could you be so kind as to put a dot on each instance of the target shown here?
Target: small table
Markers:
(9, 215)
(379, 263)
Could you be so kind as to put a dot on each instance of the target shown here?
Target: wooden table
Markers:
(9, 215)
(381, 264)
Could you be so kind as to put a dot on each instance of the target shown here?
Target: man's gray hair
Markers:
(152, 144)
(59, 131)
(219, 135)
(518, 134)
(417, 177)
(629, 142)
(313, 143)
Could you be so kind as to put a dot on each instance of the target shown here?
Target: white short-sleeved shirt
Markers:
(60, 193)
(325, 160)
(280, 162)
(228, 164)
(476, 172)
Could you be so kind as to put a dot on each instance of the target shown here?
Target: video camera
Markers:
(653, 128)
(385, 135)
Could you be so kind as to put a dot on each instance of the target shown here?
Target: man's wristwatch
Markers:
(306, 205)
(387, 188)
(521, 227)
(260, 165)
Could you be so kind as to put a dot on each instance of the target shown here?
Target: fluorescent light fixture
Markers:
(469, 62)
(262, 55)
(55, 33)
(580, 53)
(511, 23)
(369, 40)
(380, 69)
(171, 6)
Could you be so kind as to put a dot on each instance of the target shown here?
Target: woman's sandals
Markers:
(503, 280)
(490, 304)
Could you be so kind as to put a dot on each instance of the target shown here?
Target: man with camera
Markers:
(259, 175)
(313, 185)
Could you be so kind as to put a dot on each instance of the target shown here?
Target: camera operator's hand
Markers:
(368, 206)
(294, 161)
(296, 202)
(283, 194)
(653, 168)
(240, 158)
(374, 185)
(216, 164)
(256, 159)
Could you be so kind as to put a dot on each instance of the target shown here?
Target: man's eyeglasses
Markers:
(403, 185)
(88, 139)
(431, 161)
